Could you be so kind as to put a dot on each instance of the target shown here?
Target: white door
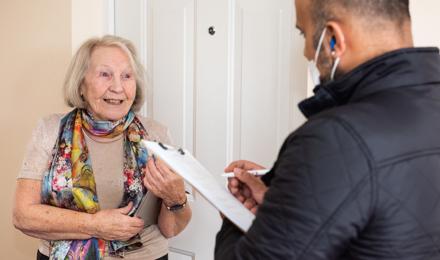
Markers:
(223, 81)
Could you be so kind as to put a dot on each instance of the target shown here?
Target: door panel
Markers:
(262, 78)
(172, 67)
(224, 95)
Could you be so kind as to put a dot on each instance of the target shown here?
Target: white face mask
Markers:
(313, 64)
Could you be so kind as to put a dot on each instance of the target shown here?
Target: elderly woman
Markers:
(85, 173)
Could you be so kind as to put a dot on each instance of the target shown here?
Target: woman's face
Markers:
(109, 87)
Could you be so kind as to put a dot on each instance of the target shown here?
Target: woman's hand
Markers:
(52, 223)
(164, 183)
(115, 224)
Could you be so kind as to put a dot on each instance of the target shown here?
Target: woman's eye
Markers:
(126, 76)
(104, 74)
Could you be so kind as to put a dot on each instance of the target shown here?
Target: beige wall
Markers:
(35, 48)
(89, 19)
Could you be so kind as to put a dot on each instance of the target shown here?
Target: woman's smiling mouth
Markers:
(113, 101)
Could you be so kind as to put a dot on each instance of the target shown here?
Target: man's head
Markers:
(355, 30)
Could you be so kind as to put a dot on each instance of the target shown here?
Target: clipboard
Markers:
(148, 209)
(183, 163)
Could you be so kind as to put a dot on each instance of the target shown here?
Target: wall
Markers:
(88, 19)
(34, 54)
(425, 19)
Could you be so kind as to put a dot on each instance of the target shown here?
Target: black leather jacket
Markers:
(361, 178)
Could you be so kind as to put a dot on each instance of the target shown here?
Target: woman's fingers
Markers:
(151, 183)
(125, 210)
(164, 169)
(164, 183)
(154, 171)
(114, 224)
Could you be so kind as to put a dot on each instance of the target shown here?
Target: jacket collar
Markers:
(400, 68)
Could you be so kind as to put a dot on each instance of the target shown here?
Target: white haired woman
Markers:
(85, 173)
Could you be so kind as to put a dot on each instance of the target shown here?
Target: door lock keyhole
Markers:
(211, 30)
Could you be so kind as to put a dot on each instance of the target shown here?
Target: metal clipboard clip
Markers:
(180, 150)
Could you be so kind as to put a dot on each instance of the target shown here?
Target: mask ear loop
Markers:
(335, 66)
(321, 39)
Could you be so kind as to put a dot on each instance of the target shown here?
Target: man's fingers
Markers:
(233, 182)
(243, 164)
(256, 186)
(240, 197)
(234, 190)
(249, 203)
(236, 164)
(233, 185)
(246, 177)
(246, 192)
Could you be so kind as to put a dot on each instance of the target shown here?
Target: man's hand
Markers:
(244, 165)
(245, 187)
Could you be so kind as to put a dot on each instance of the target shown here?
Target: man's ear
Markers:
(335, 39)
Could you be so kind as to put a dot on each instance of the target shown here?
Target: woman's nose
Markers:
(116, 85)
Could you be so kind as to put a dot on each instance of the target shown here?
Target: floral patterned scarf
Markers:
(69, 181)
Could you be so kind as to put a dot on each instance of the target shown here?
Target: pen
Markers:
(253, 172)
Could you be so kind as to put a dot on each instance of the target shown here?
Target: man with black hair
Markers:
(361, 178)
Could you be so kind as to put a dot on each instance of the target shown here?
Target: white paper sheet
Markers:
(204, 182)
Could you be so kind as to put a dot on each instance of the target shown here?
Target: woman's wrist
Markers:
(175, 205)
(90, 225)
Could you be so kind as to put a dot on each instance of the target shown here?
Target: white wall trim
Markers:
(110, 17)
(188, 107)
(233, 103)
(143, 51)
(230, 106)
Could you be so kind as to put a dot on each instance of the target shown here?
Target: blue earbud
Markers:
(332, 43)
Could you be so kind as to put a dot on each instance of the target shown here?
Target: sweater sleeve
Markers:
(39, 148)
(318, 199)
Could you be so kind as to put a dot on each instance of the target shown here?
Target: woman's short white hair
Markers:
(80, 63)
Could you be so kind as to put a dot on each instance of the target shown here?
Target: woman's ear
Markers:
(336, 39)
(81, 92)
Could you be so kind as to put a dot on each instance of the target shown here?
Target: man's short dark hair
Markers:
(389, 10)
